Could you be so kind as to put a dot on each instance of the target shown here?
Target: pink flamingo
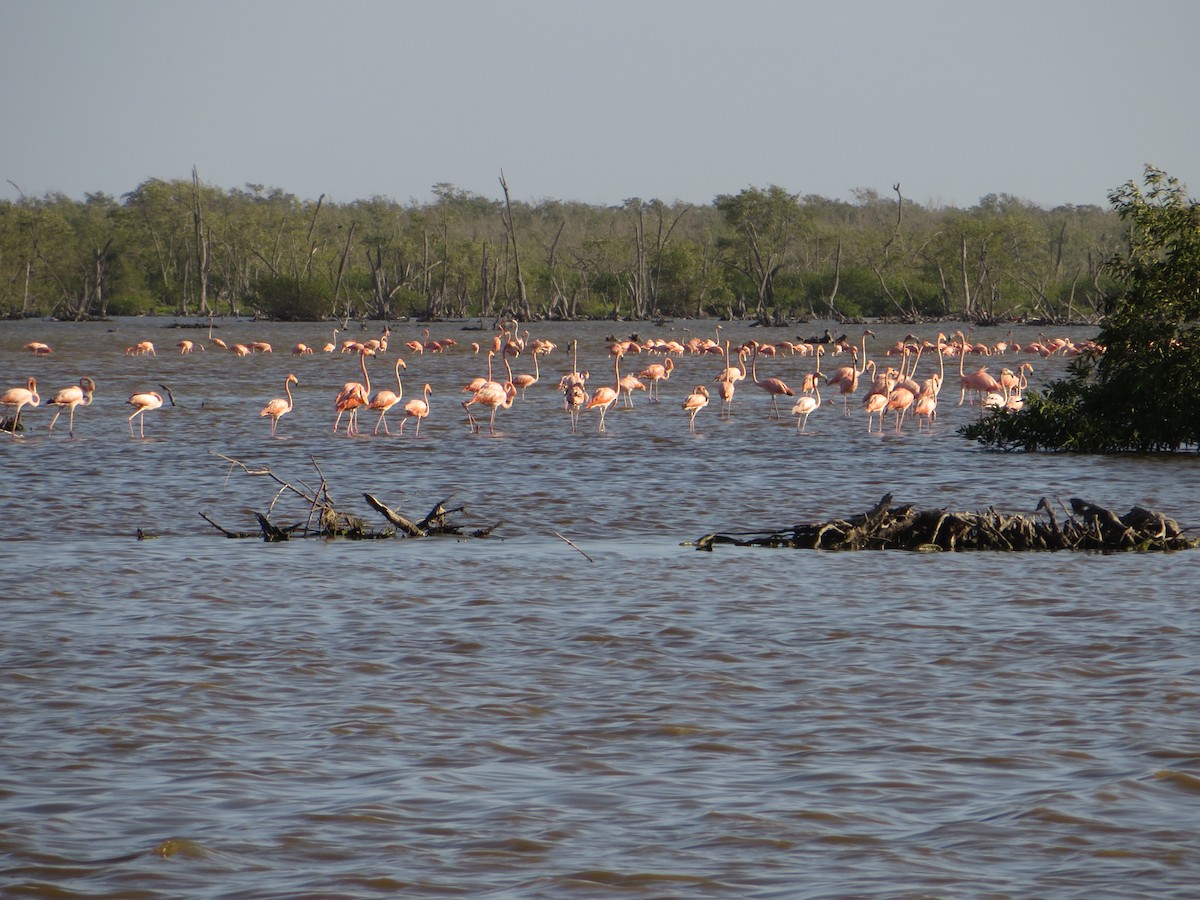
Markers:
(629, 384)
(143, 403)
(280, 407)
(846, 377)
(604, 397)
(495, 396)
(776, 387)
(807, 403)
(977, 382)
(416, 409)
(575, 398)
(69, 398)
(19, 397)
(385, 399)
(693, 403)
(654, 373)
(352, 397)
(524, 380)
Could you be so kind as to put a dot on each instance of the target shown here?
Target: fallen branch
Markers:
(226, 531)
(412, 529)
(571, 543)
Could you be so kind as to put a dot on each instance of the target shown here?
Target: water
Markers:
(580, 706)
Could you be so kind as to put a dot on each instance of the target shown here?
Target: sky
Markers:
(1051, 101)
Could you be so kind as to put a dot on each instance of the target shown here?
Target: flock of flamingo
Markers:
(890, 382)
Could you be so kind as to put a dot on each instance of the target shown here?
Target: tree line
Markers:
(187, 248)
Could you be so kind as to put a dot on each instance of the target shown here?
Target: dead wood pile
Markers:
(1087, 527)
(325, 519)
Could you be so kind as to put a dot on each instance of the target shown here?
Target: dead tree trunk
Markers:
(202, 246)
(524, 312)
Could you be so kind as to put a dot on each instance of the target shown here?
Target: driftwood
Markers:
(1087, 527)
(325, 519)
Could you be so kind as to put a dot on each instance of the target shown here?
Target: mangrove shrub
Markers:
(1140, 393)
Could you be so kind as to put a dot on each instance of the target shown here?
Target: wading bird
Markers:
(143, 403)
(69, 398)
(279, 407)
(353, 396)
(385, 399)
(776, 387)
(693, 403)
(494, 396)
(605, 396)
(416, 409)
(654, 373)
(807, 403)
(19, 397)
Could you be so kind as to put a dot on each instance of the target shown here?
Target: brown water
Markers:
(193, 716)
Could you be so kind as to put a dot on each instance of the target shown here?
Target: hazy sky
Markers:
(1053, 101)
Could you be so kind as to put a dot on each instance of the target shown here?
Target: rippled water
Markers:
(620, 715)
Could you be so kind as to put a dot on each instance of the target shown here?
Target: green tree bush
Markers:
(285, 299)
(1140, 393)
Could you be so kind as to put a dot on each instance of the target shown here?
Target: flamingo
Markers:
(977, 382)
(693, 403)
(493, 395)
(573, 379)
(1015, 400)
(807, 403)
(385, 399)
(473, 386)
(416, 409)
(351, 397)
(71, 397)
(727, 386)
(654, 373)
(215, 341)
(925, 405)
(810, 393)
(186, 346)
(37, 348)
(525, 380)
(604, 397)
(733, 374)
(846, 377)
(876, 398)
(575, 398)
(899, 400)
(776, 387)
(279, 407)
(18, 397)
(629, 384)
(143, 403)
(379, 344)
(904, 391)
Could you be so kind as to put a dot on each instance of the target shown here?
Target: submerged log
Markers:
(1088, 527)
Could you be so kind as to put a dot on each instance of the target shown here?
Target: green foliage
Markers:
(1141, 393)
(132, 303)
(285, 299)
